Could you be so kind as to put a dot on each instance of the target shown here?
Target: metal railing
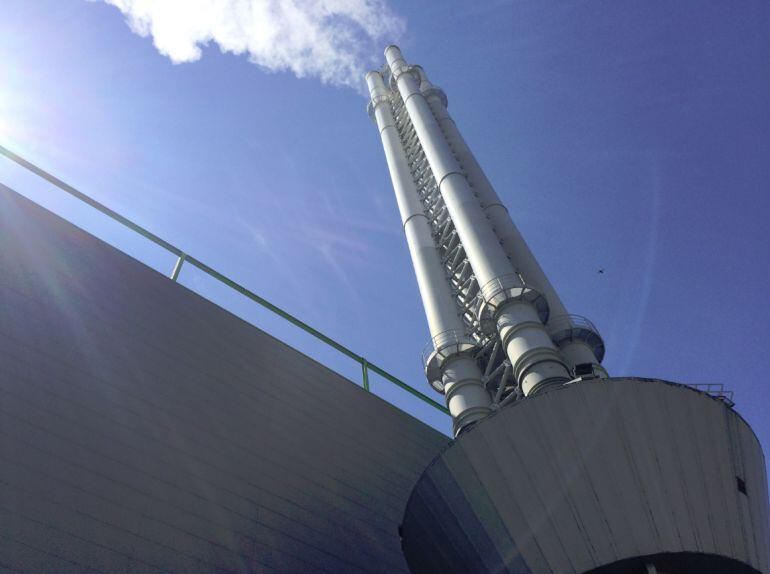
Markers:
(184, 258)
(566, 322)
(565, 328)
(500, 285)
(446, 344)
(499, 290)
(716, 390)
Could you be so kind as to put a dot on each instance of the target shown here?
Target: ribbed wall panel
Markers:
(596, 476)
(145, 429)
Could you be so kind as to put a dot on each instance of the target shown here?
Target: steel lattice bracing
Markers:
(499, 331)
(459, 271)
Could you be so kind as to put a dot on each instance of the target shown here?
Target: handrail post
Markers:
(178, 266)
(365, 373)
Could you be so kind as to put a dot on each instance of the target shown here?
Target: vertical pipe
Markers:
(575, 352)
(536, 362)
(513, 243)
(466, 397)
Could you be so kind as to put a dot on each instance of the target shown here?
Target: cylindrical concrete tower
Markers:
(556, 468)
(627, 476)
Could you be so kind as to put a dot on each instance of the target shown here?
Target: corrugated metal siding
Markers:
(592, 474)
(144, 429)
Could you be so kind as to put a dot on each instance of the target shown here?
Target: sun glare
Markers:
(11, 104)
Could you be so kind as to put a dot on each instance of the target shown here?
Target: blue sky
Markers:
(628, 136)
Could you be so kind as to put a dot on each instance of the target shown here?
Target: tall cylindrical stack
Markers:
(603, 476)
(466, 397)
(535, 359)
(543, 345)
(576, 351)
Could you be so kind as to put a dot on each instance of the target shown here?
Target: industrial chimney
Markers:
(555, 467)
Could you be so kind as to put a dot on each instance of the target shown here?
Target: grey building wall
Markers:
(145, 429)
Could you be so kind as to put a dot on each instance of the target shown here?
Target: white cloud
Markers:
(334, 40)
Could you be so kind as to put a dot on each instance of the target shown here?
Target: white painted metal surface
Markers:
(515, 247)
(501, 294)
(466, 397)
(535, 360)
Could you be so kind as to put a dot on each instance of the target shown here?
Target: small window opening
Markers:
(741, 484)
(584, 369)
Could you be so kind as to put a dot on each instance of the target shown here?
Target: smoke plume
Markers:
(333, 40)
